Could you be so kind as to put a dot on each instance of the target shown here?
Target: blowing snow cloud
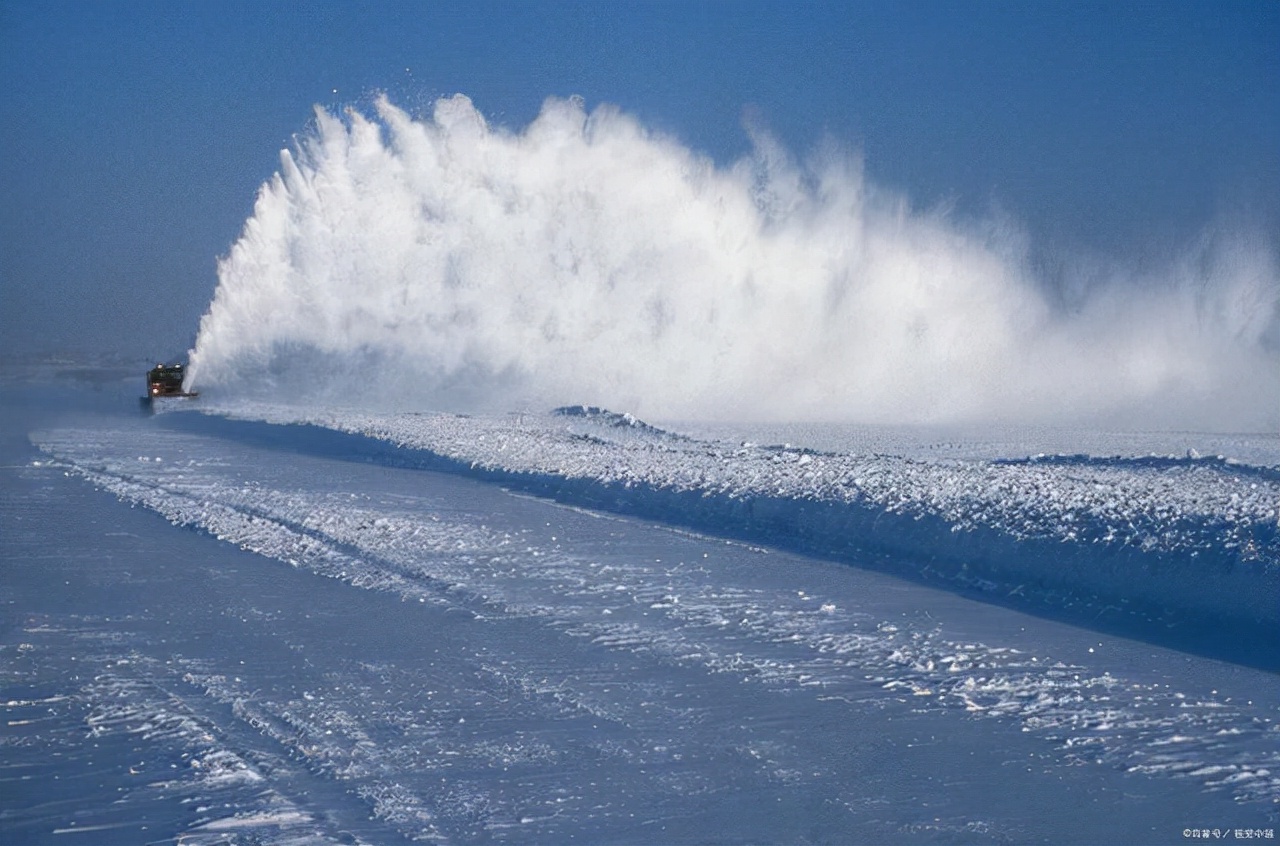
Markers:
(445, 263)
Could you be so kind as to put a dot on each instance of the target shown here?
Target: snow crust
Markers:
(1171, 536)
(683, 614)
(131, 700)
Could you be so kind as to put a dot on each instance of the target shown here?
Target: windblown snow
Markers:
(446, 263)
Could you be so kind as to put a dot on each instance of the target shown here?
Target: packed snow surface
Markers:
(482, 663)
(1181, 533)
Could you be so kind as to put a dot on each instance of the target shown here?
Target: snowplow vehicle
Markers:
(165, 380)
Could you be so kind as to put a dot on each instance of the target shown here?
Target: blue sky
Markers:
(136, 134)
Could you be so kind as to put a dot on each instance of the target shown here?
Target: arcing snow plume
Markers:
(444, 263)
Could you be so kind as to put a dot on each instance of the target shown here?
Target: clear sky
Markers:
(135, 134)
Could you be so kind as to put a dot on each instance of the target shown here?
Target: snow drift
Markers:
(445, 263)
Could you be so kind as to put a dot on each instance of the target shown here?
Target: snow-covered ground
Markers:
(1171, 526)
(577, 627)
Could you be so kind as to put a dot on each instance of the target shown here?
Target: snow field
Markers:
(1188, 536)
(688, 613)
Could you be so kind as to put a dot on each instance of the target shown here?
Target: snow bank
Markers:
(1163, 538)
